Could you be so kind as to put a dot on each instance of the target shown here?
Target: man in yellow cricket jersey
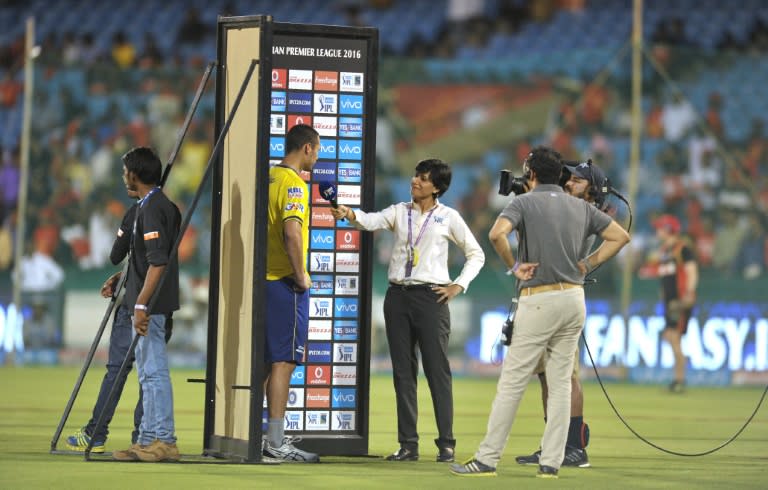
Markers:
(288, 284)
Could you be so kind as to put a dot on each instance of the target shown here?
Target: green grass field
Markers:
(34, 398)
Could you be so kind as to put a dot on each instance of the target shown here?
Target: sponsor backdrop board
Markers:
(323, 76)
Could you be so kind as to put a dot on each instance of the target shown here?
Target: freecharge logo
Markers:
(322, 217)
(327, 81)
(318, 397)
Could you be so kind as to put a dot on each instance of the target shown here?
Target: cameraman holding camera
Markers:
(553, 227)
(586, 181)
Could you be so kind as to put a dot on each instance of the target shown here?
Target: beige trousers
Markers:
(551, 322)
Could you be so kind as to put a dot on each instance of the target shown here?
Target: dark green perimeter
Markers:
(33, 399)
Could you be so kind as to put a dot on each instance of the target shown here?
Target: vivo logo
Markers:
(350, 149)
(342, 308)
(351, 104)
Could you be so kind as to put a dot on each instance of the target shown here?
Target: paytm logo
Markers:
(346, 307)
(322, 239)
(324, 171)
(319, 352)
(297, 377)
(326, 103)
(351, 104)
(299, 102)
(322, 285)
(345, 353)
(320, 307)
(350, 150)
(278, 101)
(276, 146)
(327, 149)
(343, 421)
(321, 262)
(343, 398)
(351, 127)
(350, 172)
(345, 330)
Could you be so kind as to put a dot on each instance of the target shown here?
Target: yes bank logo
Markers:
(350, 150)
(322, 285)
(350, 172)
(327, 149)
(276, 147)
(346, 307)
(322, 239)
(351, 104)
(345, 330)
(343, 398)
(351, 127)
(297, 376)
(278, 101)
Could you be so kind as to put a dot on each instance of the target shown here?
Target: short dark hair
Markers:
(300, 135)
(439, 173)
(145, 164)
(547, 163)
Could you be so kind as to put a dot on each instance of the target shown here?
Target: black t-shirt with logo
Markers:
(672, 272)
(157, 228)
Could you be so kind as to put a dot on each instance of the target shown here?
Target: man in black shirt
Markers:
(153, 236)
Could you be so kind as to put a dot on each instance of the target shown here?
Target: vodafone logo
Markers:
(348, 239)
(294, 120)
(279, 78)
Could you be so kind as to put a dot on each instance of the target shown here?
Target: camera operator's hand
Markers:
(525, 270)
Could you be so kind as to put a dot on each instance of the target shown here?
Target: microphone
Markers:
(328, 192)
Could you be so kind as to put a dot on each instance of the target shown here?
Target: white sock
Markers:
(275, 432)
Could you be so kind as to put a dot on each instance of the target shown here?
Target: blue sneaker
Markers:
(80, 440)
(473, 467)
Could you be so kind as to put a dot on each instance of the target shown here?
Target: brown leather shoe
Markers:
(157, 451)
(126, 454)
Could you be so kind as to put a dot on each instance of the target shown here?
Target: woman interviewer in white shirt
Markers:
(416, 305)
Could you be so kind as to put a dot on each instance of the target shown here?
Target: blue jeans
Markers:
(155, 381)
(119, 341)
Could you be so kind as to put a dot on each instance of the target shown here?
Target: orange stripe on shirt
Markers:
(151, 235)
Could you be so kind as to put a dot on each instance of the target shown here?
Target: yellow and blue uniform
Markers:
(288, 199)
(288, 314)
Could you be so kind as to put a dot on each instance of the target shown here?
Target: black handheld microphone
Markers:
(328, 192)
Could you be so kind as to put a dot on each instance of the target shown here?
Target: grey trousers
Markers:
(414, 318)
(550, 321)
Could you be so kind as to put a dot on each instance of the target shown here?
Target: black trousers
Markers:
(414, 317)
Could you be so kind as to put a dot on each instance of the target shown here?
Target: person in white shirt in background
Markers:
(416, 309)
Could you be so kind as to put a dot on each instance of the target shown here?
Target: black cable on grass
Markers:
(669, 451)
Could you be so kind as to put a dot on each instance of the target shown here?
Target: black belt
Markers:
(413, 287)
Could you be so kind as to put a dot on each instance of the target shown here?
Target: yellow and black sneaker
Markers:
(80, 440)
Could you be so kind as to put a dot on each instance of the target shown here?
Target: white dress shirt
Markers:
(445, 224)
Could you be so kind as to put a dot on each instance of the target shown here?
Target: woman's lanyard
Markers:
(413, 253)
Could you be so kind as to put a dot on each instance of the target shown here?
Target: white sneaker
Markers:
(288, 453)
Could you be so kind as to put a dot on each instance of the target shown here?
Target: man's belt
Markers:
(558, 286)
(412, 287)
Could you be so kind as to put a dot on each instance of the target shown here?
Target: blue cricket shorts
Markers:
(287, 322)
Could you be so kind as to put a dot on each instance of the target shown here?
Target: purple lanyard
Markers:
(411, 244)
